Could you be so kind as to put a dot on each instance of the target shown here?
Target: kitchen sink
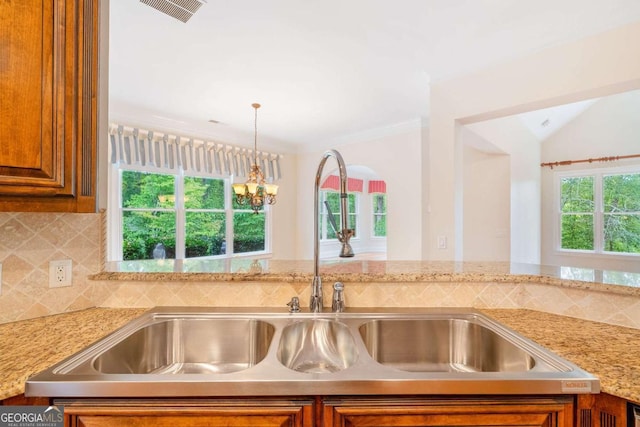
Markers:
(317, 346)
(442, 345)
(203, 351)
(197, 346)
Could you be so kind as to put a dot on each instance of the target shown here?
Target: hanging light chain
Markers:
(255, 134)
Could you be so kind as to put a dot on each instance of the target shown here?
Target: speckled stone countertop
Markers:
(610, 352)
(30, 346)
(353, 270)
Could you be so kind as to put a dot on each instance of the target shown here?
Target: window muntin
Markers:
(600, 211)
(187, 216)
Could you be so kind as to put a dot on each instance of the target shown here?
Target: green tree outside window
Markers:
(150, 208)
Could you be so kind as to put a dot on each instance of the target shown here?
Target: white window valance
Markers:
(163, 152)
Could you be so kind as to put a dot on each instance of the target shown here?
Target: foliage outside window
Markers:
(621, 217)
(600, 212)
(577, 207)
(379, 215)
(333, 198)
(170, 216)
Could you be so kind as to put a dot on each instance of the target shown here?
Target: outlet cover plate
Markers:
(60, 273)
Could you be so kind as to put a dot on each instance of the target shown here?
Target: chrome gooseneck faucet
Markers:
(315, 303)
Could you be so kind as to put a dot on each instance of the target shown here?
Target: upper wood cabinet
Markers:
(48, 105)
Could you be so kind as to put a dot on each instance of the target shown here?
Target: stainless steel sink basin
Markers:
(442, 345)
(317, 346)
(196, 346)
(202, 351)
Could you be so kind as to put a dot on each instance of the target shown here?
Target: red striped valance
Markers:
(377, 187)
(332, 182)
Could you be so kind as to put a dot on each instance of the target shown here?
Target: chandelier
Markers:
(255, 192)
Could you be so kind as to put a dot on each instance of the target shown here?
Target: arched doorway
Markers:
(367, 203)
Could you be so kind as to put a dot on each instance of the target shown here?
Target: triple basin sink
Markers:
(178, 351)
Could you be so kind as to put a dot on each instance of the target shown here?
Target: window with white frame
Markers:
(177, 216)
(333, 199)
(171, 197)
(599, 211)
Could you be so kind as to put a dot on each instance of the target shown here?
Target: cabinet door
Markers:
(48, 109)
(191, 413)
(601, 410)
(530, 412)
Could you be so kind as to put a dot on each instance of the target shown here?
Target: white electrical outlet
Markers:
(60, 273)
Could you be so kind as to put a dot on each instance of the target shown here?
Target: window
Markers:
(170, 196)
(177, 216)
(379, 210)
(600, 211)
(333, 198)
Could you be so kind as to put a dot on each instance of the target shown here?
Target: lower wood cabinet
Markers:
(410, 412)
(323, 412)
(589, 410)
(189, 413)
(601, 410)
(22, 400)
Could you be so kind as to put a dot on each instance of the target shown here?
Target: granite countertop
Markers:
(30, 346)
(353, 270)
(609, 352)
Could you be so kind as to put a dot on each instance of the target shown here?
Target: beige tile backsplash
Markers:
(623, 310)
(28, 241)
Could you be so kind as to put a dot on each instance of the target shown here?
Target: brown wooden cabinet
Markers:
(48, 105)
(546, 411)
(189, 413)
(22, 400)
(424, 412)
(601, 410)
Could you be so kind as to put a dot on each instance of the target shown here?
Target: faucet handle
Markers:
(337, 303)
(294, 305)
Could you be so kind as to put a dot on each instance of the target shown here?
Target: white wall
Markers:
(509, 135)
(284, 216)
(486, 206)
(396, 159)
(610, 127)
(595, 66)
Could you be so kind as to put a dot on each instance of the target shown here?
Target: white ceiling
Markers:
(322, 70)
(544, 123)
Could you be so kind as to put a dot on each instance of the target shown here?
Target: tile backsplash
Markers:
(28, 241)
(612, 308)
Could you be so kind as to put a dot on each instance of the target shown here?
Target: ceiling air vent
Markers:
(182, 10)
